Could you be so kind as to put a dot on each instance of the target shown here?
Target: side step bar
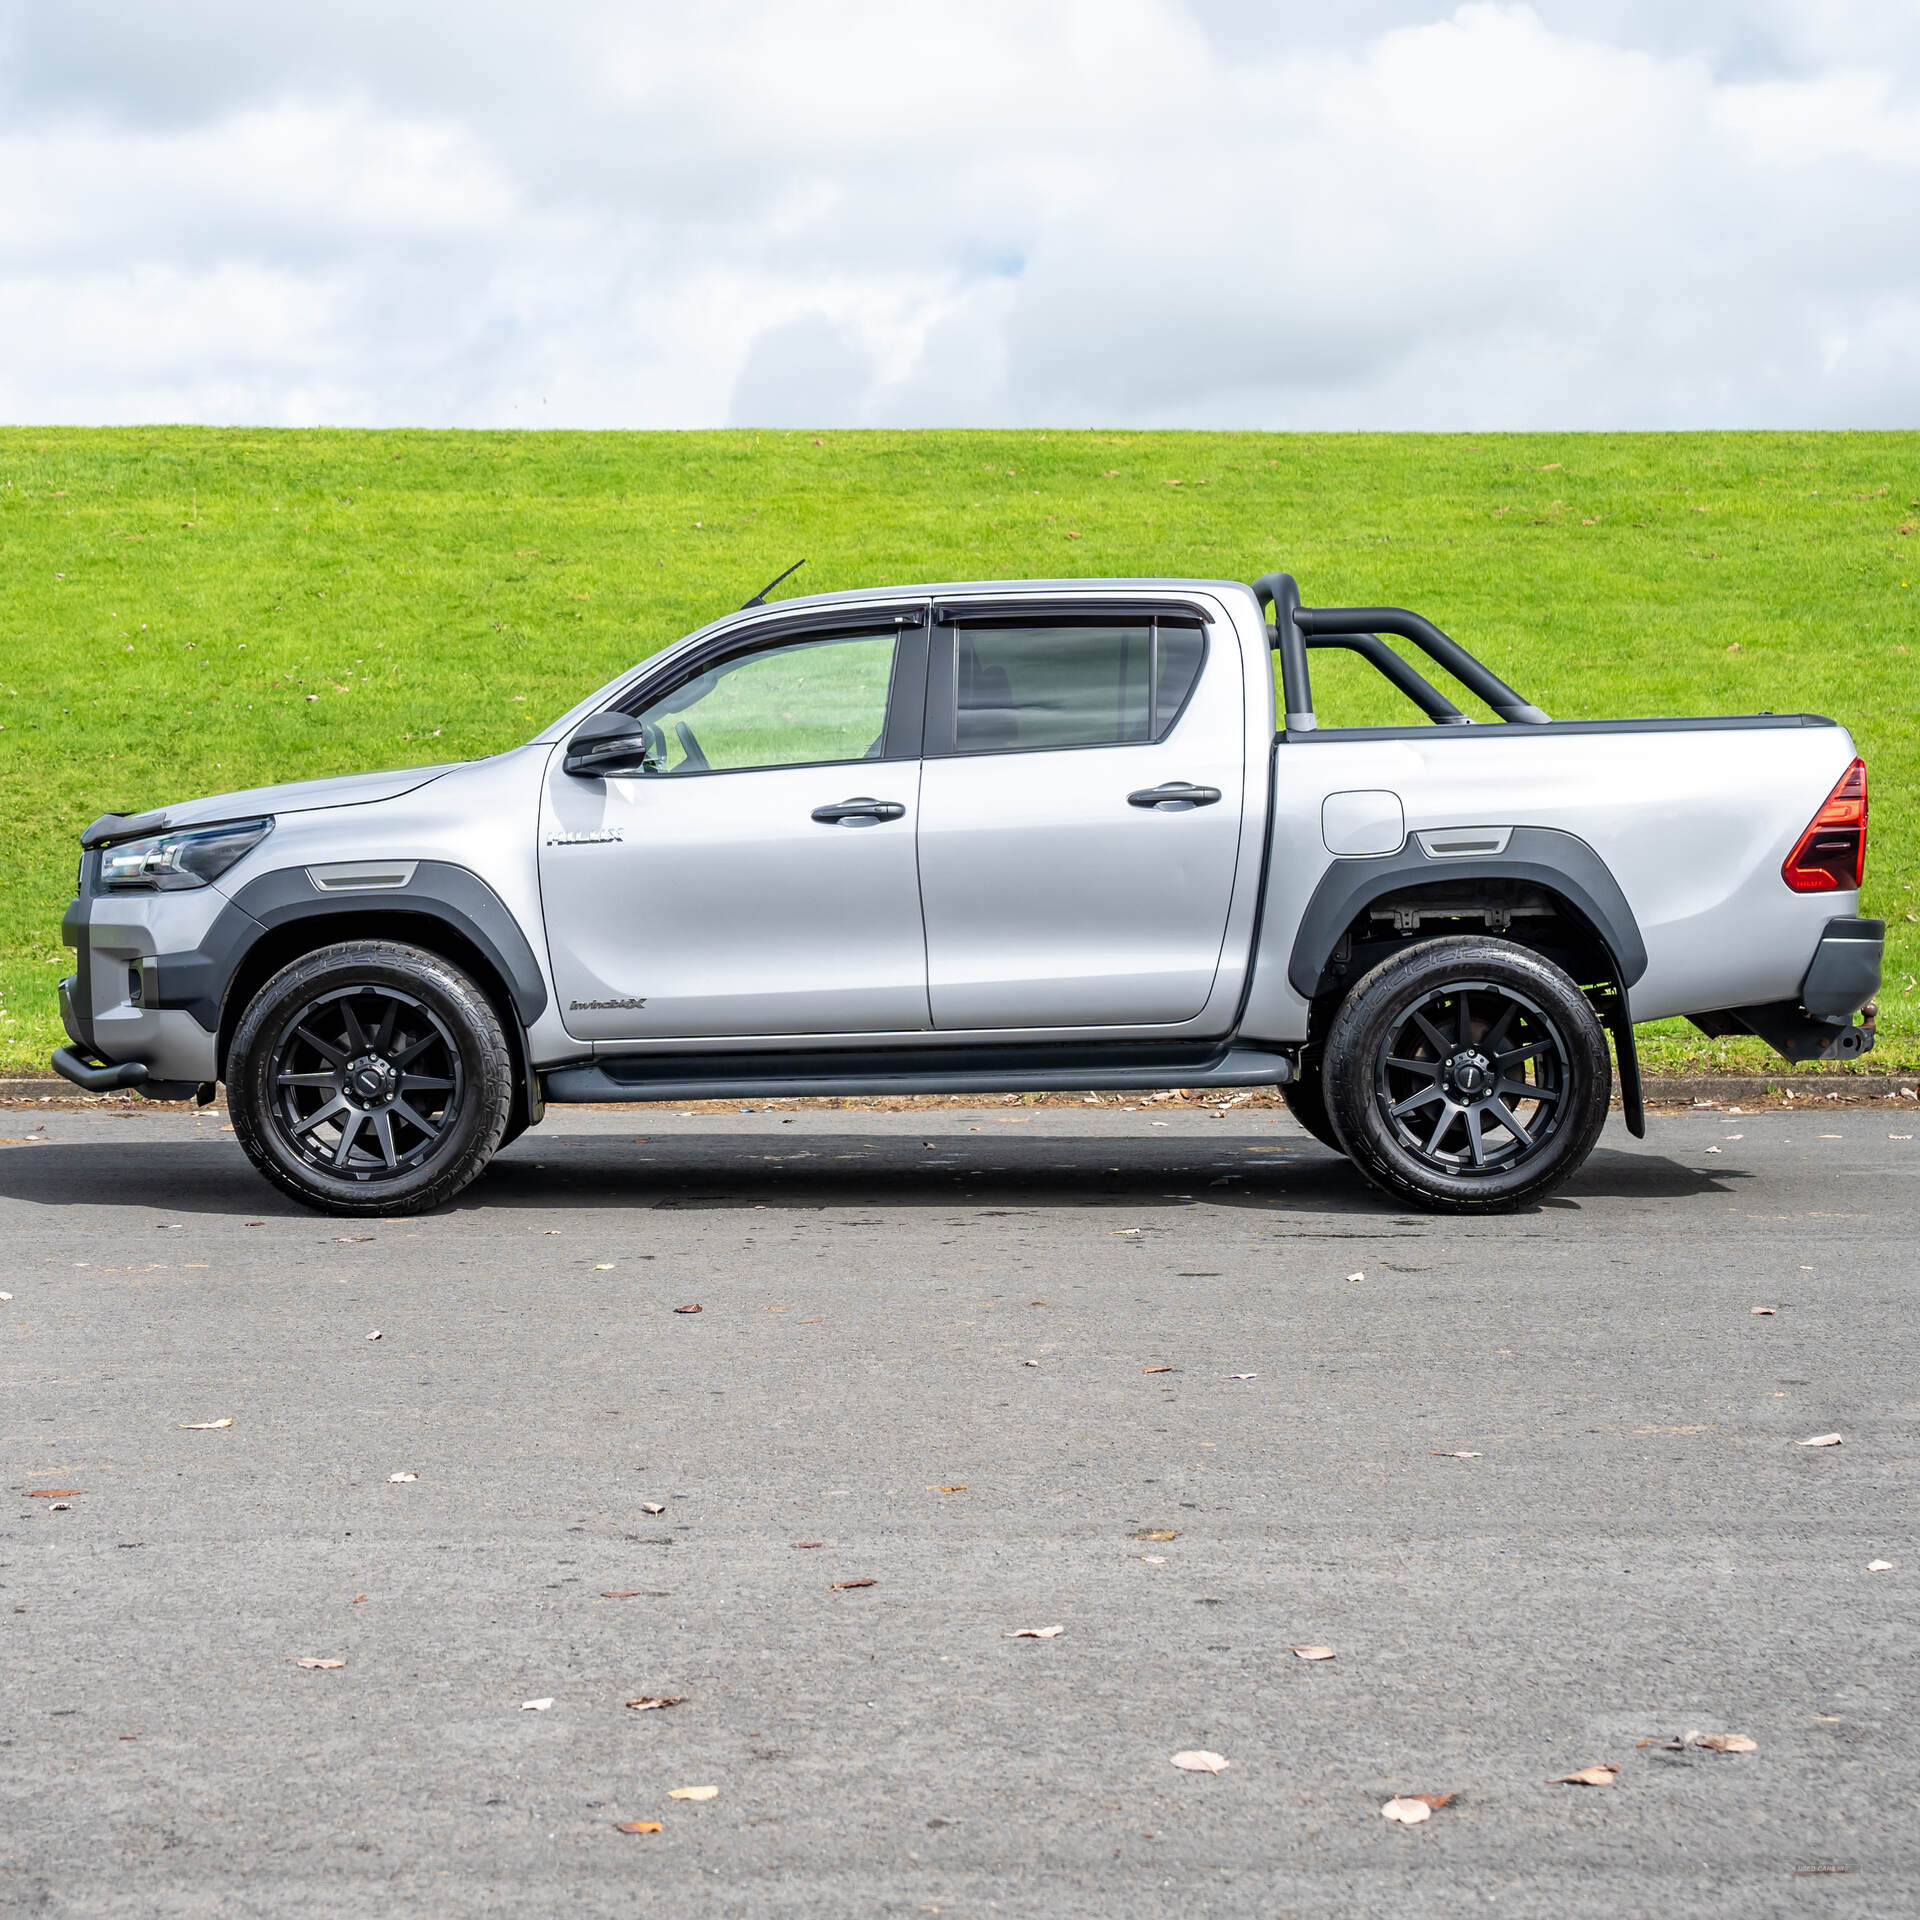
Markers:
(742, 1076)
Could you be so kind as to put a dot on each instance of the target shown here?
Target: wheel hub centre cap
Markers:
(1470, 1073)
(371, 1080)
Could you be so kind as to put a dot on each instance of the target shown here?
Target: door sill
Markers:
(880, 1071)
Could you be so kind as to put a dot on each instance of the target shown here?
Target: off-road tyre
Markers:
(1467, 1075)
(408, 1059)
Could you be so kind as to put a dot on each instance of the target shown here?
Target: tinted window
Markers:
(1070, 685)
(792, 706)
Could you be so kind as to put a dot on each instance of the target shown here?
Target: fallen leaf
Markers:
(203, 1426)
(54, 1493)
(1243, 1376)
(1822, 1440)
(1159, 1533)
(5, 1296)
(691, 1793)
(1438, 1455)
(807, 1546)
(1879, 1566)
(60, 1506)
(1407, 1809)
(629, 1593)
(1356, 1276)
(357, 1599)
(1311, 1653)
(535, 1706)
(1763, 1309)
(638, 1826)
(376, 1335)
(959, 1489)
(1034, 1633)
(1154, 1559)
(1029, 1363)
(1586, 1777)
(308, 1660)
(1727, 1743)
(1200, 1762)
(603, 1266)
(649, 1506)
(692, 1306)
(1156, 1369)
(847, 1586)
(396, 1479)
(650, 1702)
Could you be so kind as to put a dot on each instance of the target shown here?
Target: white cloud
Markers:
(1152, 212)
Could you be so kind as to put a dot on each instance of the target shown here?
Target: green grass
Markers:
(186, 610)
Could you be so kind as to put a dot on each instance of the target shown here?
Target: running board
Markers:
(767, 1076)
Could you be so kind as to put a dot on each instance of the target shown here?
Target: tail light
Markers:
(1831, 856)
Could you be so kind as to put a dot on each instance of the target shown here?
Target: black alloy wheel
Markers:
(1473, 1078)
(370, 1077)
(365, 1082)
(1469, 1075)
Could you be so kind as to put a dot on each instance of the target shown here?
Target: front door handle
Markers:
(1174, 796)
(860, 812)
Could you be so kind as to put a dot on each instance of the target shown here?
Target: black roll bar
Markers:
(1421, 691)
(1294, 625)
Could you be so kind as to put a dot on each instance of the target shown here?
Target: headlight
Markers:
(170, 862)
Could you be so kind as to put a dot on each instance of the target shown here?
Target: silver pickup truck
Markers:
(1039, 835)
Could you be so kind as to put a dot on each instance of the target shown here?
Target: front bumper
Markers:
(1840, 981)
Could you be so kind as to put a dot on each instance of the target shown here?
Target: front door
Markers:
(1080, 811)
(756, 874)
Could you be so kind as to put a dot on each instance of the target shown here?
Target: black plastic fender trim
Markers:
(197, 981)
(1560, 863)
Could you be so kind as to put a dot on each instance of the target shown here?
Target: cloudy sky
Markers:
(1216, 213)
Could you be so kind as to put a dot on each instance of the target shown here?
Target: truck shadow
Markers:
(816, 1171)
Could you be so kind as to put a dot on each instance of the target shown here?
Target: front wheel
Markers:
(370, 1077)
(1467, 1075)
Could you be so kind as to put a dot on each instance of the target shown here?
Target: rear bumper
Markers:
(1841, 980)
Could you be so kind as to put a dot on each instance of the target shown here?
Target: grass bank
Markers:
(188, 610)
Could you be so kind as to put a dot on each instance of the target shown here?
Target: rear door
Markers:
(757, 874)
(1080, 812)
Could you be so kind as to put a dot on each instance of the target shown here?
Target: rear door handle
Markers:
(1174, 796)
(861, 812)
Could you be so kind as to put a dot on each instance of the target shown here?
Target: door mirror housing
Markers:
(610, 743)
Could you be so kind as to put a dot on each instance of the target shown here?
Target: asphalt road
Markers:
(1535, 1481)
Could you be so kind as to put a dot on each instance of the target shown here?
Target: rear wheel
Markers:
(1468, 1075)
(370, 1077)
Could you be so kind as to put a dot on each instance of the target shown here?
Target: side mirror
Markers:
(609, 743)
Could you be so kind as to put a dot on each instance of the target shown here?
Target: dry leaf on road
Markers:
(1586, 1777)
(1159, 1533)
(1763, 1309)
(650, 1702)
(1438, 1454)
(1242, 1376)
(203, 1426)
(1311, 1653)
(1879, 1566)
(309, 1660)
(1034, 1633)
(691, 1793)
(603, 1266)
(961, 1488)
(54, 1493)
(399, 1479)
(1156, 1369)
(807, 1546)
(1727, 1743)
(649, 1506)
(847, 1586)
(376, 1335)
(1822, 1440)
(535, 1706)
(692, 1306)
(638, 1826)
(1200, 1762)
(1407, 1809)
(1356, 1276)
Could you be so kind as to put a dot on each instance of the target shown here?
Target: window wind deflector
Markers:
(1025, 612)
